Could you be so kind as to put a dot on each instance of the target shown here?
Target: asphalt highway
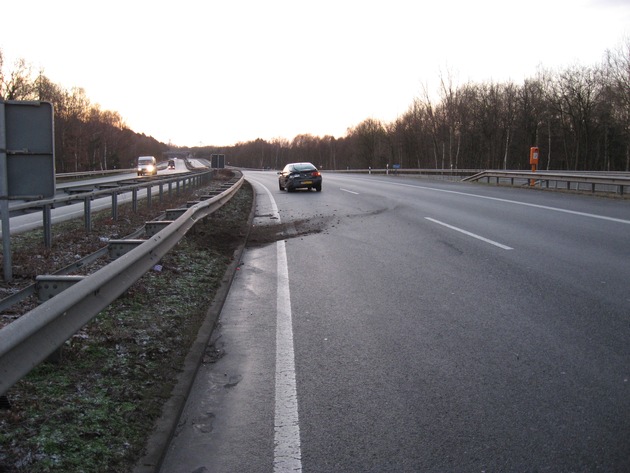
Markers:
(406, 325)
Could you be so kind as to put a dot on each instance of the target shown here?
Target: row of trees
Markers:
(579, 117)
(86, 137)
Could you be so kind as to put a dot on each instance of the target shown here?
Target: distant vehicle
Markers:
(147, 166)
(300, 176)
(171, 164)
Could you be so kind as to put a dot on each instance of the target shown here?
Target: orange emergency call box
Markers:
(533, 155)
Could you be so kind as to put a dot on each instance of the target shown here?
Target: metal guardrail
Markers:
(61, 176)
(105, 190)
(87, 194)
(30, 339)
(583, 182)
(451, 173)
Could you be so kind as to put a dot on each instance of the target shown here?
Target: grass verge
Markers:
(94, 411)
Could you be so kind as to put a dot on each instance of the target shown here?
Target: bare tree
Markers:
(450, 103)
(371, 136)
(617, 72)
(18, 83)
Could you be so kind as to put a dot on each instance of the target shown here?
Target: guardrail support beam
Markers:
(47, 224)
(49, 285)
(155, 226)
(174, 214)
(87, 214)
(117, 248)
(114, 206)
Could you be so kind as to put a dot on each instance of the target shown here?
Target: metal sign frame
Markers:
(27, 160)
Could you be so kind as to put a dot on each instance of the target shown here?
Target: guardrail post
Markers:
(134, 199)
(149, 196)
(161, 193)
(47, 223)
(7, 260)
(87, 214)
(48, 286)
(114, 206)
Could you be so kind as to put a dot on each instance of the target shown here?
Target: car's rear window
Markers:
(303, 167)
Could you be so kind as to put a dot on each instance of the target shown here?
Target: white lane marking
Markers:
(516, 202)
(478, 237)
(349, 192)
(287, 455)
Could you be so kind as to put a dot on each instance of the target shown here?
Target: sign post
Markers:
(4, 200)
(27, 161)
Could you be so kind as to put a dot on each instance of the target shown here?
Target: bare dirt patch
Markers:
(272, 232)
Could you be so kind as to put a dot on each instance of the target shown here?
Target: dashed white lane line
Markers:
(515, 202)
(348, 191)
(465, 232)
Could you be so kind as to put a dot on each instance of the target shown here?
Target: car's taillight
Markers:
(315, 173)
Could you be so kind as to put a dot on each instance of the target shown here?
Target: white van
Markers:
(147, 166)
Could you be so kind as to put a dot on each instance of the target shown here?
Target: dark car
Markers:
(300, 176)
(171, 164)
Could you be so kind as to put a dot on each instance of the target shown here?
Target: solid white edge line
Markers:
(478, 237)
(287, 451)
(287, 455)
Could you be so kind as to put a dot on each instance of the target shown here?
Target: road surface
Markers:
(399, 324)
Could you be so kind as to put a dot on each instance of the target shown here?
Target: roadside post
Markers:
(533, 161)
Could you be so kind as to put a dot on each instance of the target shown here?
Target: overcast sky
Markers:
(212, 72)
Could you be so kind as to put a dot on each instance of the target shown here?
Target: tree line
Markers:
(87, 138)
(579, 118)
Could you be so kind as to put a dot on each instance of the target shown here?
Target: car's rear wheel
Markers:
(318, 188)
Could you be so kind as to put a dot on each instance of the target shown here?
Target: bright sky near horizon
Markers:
(195, 72)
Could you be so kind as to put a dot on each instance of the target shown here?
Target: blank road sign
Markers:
(30, 149)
